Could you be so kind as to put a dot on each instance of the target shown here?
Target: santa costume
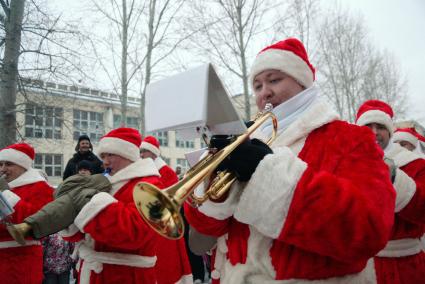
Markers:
(308, 214)
(173, 263)
(27, 194)
(168, 175)
(403, 259)
(117, 246)
(412, 136)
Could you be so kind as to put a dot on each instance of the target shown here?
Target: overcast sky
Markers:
(399, 27)
(395, 25)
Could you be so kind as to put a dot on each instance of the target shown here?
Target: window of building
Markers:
(183, 163)
(89, 123)
(185, 143)
(43, 122)
(162, 138)
(51, 164)
(166, 160)
(132, 122)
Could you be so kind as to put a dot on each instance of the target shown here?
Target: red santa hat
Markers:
(375, 111)
(124, 142)
(406, 134)
(288, 56)
(21, 154)
(150, 143)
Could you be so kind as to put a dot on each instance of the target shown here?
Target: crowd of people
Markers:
(327, 201)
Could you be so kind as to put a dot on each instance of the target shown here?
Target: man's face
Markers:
(144, 154)
(382, 134)
(10, 170)
(275, 87)
(114, 162)
(84, 146)
(409, 146)
(178, 170)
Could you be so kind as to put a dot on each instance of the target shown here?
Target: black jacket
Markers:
(71, 167)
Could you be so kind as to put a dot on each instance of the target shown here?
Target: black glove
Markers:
(220, 141)
(245, 158)
(392, 167)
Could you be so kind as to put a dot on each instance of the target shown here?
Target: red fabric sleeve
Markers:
(415, 209)
(120, 224)
(344, 210)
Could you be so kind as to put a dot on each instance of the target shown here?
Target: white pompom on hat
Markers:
(124, 142)
(21, 154)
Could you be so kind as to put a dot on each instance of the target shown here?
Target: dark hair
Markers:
(81, 138)
(84, 164)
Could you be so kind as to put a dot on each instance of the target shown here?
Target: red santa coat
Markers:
(314, 211)
(173, 264)
(23, 264)
(117, 246)
(403, 258)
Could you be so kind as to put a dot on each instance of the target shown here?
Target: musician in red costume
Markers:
(402, 260)
(26, 191)
(317, 205)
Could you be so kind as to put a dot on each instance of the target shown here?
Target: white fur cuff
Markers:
(11, 197)
(405, 188)
(223, 210)
(98, 202)
(266, 199)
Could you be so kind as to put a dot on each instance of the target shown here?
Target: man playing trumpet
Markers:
(317, 205)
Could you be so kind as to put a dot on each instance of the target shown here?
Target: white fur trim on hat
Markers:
(16, 157)
(285, 61)
(150, 147)
(405, 136)
(119, 147)
(376, 116)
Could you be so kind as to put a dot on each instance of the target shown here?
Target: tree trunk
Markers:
(124, 54)
(152, 7)
(9, 73)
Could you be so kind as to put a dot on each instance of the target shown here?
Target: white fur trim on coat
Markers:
(405, 188)
(376, 116)
(28, 177)
(401, 248)
(405, 136)
(16, 157)
(285, 61)
(160, 163)
(265, 200)
(150, 147)
(118, 147)
(11, 197)
(69, 232)
(98, 202)
(220, 210)
(400, 155)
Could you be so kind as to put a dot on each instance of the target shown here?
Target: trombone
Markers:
(161, 208)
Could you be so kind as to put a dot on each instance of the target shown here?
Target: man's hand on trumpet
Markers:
(244, 159)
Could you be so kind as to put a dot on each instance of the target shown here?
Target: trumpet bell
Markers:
(159, 210)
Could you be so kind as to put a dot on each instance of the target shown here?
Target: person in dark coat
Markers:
(84, 151)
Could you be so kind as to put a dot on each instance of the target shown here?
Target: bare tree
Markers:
(227, 29)
(33, 44)
(12, 24)
(146, 33)
(352, 70)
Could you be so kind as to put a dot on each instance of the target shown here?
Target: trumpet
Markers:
(161, 208)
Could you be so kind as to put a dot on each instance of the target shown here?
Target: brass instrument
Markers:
(160, 208)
